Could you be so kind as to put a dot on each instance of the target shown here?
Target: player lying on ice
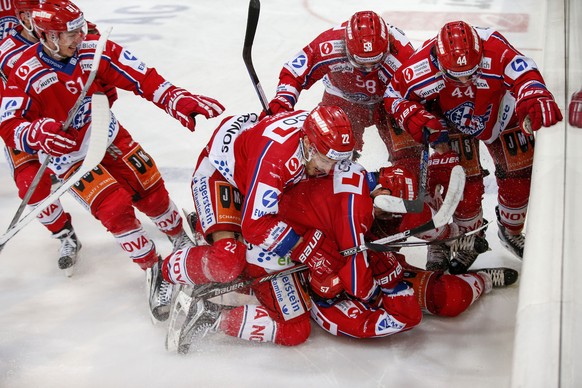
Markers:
(339, 208)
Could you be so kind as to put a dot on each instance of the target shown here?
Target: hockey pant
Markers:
(23, 168)
(281, 317)
(347, 316)
(443, 294)
(128, 177)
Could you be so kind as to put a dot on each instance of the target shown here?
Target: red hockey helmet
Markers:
(459, 49)
(58, 16)
(366, 40)
(329, 130)
(400, 181)
(25, 5)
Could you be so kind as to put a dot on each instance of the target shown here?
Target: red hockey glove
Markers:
(92, 28)
(317, 252)
(414, 119)
(575, 109)
(326, 286)
(47, 135)
(539, 106)
(184, 106)
(111, 92)
(386, 269)
(277, 105)
(439, 169)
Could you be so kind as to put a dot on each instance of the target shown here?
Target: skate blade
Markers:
(178, 315)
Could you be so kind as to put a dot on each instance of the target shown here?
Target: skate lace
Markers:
(181, 241)
(466, 257)
(517, 240)
(465, 243)
(68, 246)
(497, 277)
(438, 252)
(165, 294)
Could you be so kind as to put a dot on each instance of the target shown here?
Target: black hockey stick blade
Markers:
(252, 23)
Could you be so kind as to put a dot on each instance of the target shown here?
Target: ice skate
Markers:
(514, 243)
(500, 277)
(465, 251)
(191, 319)
(69, 250)
(160, 293)
(437, 257)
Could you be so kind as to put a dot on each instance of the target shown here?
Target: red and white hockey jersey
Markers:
(482, 109)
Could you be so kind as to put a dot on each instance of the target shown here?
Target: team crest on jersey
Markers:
(416, 70)
(485, 63)
(467, 121)
(266, 201)
(128, 59)
(83, 114)
(44, 82)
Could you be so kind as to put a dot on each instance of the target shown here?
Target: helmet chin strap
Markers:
(53, 52)
(309, 155)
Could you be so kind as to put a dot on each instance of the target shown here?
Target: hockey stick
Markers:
(94, 66)
(392, 204)
(180, 315)
(252, 22)
(441, 218)
(211, 290)
(410, 244)
(97, 146)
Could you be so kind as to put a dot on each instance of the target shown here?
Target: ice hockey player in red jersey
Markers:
(369, 294)
(471, 80)
(42, 89)
(355, 61)
(241, 176)
(24, 166)
(575, 109)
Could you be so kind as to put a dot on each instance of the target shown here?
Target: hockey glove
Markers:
(47, 135)
(317, 252)
(386, 268)
(535, 107)
(439, 169)
(326, 286)
(414, 119)
(575, 109)
(184, 106)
